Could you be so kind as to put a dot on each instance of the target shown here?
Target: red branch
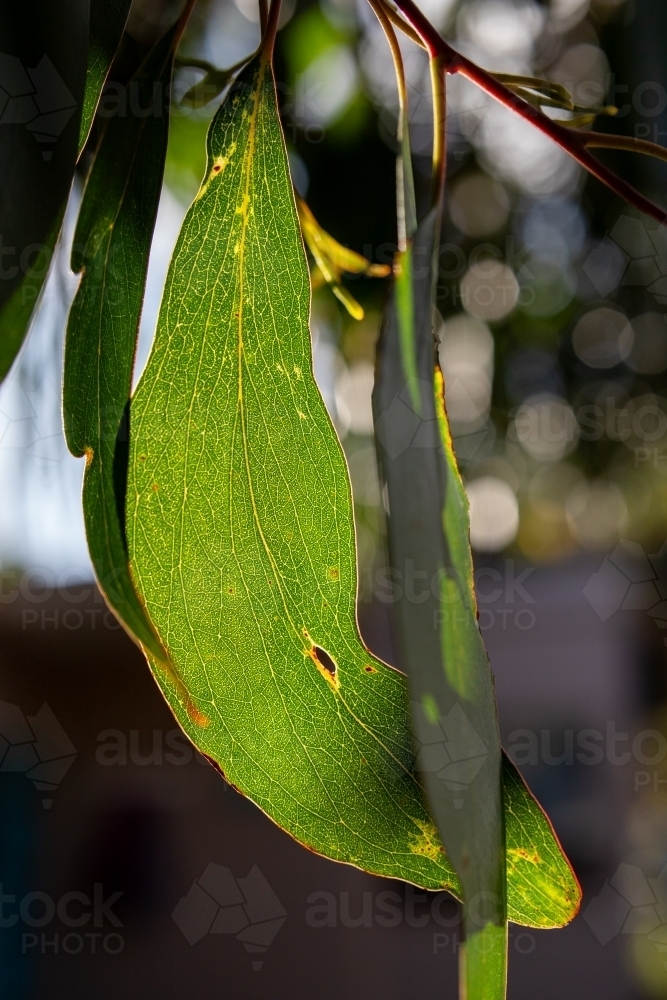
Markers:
(572, 142)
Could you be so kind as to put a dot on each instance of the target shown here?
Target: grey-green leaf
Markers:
(440, 644)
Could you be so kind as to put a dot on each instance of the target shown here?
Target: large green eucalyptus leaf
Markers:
(107, 20)
(240, 523)
(240, 530)
(42, 76)
(441, 648)
(111, 249)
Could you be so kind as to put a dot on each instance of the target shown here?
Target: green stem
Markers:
(438, 70)
(191, 62)
(406, 210)
(602, 140)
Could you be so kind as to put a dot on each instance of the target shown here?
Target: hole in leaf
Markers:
(369, 669)
(325, 660)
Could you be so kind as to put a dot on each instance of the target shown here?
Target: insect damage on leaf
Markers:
(325, 664)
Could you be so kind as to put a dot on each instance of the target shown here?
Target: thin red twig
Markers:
(572, 142)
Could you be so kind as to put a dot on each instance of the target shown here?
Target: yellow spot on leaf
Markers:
(427, 843)
(524, 854)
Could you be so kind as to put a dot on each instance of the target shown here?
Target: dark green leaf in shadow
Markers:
(107, 20)
(42, 77)
(450, 682)
(441, 648)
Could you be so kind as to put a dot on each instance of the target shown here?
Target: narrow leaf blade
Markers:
(111, 249)
(418, 462)
(441, 646)
(107, 20)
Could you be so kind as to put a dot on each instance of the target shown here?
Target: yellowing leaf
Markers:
(331, 259)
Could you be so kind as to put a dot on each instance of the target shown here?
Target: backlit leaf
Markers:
(241, 535)
(240, 523)
(107, 20)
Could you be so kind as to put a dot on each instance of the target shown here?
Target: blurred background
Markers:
(126, 862)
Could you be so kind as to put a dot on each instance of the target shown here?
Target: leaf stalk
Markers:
(269, 35)
(182, 23)
(406, 209)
